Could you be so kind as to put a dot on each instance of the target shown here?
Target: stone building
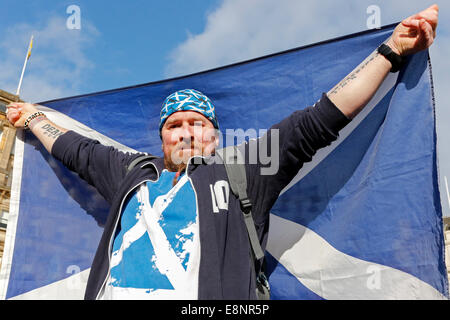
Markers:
(447, 244)
(7, 138)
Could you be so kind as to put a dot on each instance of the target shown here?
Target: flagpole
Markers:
(24, 65)
(448, 193)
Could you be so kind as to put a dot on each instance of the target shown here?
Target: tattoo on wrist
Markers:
(352, 76)
(51, 132)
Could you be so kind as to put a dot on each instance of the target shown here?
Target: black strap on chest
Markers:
(135, 162)
(234, 164)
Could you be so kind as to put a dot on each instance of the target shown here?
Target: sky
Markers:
(104, 45)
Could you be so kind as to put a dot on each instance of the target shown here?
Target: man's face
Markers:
(185, 134)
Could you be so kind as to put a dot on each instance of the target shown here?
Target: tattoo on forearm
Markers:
(50, 131)
(352, 76)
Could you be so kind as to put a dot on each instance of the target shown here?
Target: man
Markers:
(174, 231)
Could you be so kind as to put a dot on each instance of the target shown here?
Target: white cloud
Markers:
(240, 30)
(57, 63)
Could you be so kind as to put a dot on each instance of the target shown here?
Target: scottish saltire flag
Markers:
(363, 220)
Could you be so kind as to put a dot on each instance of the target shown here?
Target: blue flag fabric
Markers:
(363, 220)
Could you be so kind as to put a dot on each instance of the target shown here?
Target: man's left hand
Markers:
(415, 33)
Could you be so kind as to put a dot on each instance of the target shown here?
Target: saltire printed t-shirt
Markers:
(156, 254)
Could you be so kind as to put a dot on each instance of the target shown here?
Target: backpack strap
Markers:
(144, 157)
(235, 167)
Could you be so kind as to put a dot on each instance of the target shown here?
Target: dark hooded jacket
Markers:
(226, 270)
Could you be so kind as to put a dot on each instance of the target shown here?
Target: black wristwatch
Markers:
(396, 60)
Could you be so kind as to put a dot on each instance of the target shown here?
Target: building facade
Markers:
(447, 245)
(7, 138)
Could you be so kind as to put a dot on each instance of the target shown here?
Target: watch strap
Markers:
(396, 60)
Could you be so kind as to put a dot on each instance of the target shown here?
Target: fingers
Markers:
(13, 108)
(14, 105)
(434, 7)
(411, 22)
(13, 116)
(426, 33)
(430, 15)
(21, 106)
(16, 111)
(423, 26)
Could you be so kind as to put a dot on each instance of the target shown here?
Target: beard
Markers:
(178, 158)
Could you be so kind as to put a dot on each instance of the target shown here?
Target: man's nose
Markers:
(186, 133)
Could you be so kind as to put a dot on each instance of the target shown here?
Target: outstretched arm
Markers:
(412, 35)
(103, 167)
(46, 131)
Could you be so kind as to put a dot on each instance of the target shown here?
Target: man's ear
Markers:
(217, 140)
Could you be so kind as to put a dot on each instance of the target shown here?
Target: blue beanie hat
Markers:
(188, 100)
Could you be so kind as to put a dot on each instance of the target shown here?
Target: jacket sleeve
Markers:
(290, 143)
(103, 167)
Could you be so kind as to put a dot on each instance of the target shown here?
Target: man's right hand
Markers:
(18, 112)
(46, 131)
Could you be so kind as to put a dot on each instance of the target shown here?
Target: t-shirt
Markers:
(156, 254)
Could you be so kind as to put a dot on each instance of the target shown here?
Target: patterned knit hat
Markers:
(188, 100)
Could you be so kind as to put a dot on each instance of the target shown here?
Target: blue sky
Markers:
(123, 43)
(119, 43)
